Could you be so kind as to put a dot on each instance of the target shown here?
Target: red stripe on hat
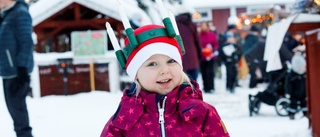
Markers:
(168, 40)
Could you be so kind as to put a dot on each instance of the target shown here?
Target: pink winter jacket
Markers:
(185, 115)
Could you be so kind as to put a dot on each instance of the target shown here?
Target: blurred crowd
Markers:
(240, 49)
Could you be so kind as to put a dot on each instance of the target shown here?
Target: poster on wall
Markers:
(89, 44)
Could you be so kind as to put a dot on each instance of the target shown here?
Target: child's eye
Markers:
(172, 61)
(152, 64)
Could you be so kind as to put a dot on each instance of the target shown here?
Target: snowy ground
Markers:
(84, 114)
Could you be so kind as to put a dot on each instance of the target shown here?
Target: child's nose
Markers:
(164, 69)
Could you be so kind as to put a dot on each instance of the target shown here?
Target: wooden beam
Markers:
(53, 33)
(60, 12)
(303, 26)
(54, 24)
(38, 47)
(77, 14)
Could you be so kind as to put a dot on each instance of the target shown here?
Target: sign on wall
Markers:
(89, 43)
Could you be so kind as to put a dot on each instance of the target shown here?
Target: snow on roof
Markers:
(43, 9)
(237, 3)
(306, 18)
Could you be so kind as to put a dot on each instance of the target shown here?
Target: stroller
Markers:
(273, 95)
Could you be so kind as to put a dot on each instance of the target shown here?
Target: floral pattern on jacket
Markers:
(185, 115)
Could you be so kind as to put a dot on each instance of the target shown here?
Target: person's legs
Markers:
(207, 75)
(193, 74)
(253, 78)
(233, 77)
(15, 96)
(292, 107)
(211, 73)
(229, 76)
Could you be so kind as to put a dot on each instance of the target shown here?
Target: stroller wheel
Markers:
(281, 106)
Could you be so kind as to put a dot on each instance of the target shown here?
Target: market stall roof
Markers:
(281, 13)
(237, 3)
(43, 9)
(276, 33)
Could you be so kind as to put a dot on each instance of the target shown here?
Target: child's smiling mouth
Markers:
(164, 81)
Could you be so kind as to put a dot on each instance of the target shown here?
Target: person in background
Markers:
(217, 61)
(231, 32)
(277, 83)
(210, 45)
(191, 40)
(295, 85)
(251, 41)
(162, 101)
(292, 40)
(16, 61)
(231, 54)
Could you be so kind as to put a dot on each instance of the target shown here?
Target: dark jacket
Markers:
(235, 56)
(185, 114)
(191, 41)
(295, 85)
(16, 45)
(251, 41)
(256, 54)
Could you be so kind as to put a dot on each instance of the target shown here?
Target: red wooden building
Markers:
(53, 22)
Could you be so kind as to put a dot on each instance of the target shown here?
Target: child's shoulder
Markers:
(128, 112)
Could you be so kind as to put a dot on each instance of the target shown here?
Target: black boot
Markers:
(291, 116)
(305, 114)
(254, 104)
(250, 105)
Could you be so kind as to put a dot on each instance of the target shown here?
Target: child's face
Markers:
(159, 74)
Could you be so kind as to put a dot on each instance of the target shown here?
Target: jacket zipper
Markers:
(161, 116)
(9, 58)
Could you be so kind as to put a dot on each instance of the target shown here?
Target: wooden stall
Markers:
(309, 24)
(78, 79)
(312, 33)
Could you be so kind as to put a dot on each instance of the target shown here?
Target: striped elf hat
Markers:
(152, 39)
(146, 41)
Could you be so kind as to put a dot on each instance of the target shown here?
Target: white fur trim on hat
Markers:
(149, 50)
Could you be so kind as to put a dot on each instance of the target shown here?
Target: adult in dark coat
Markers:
(16, 61)
(192, 44)
(255, 58)
(251, 41)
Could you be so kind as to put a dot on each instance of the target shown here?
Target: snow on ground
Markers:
(84, 114)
